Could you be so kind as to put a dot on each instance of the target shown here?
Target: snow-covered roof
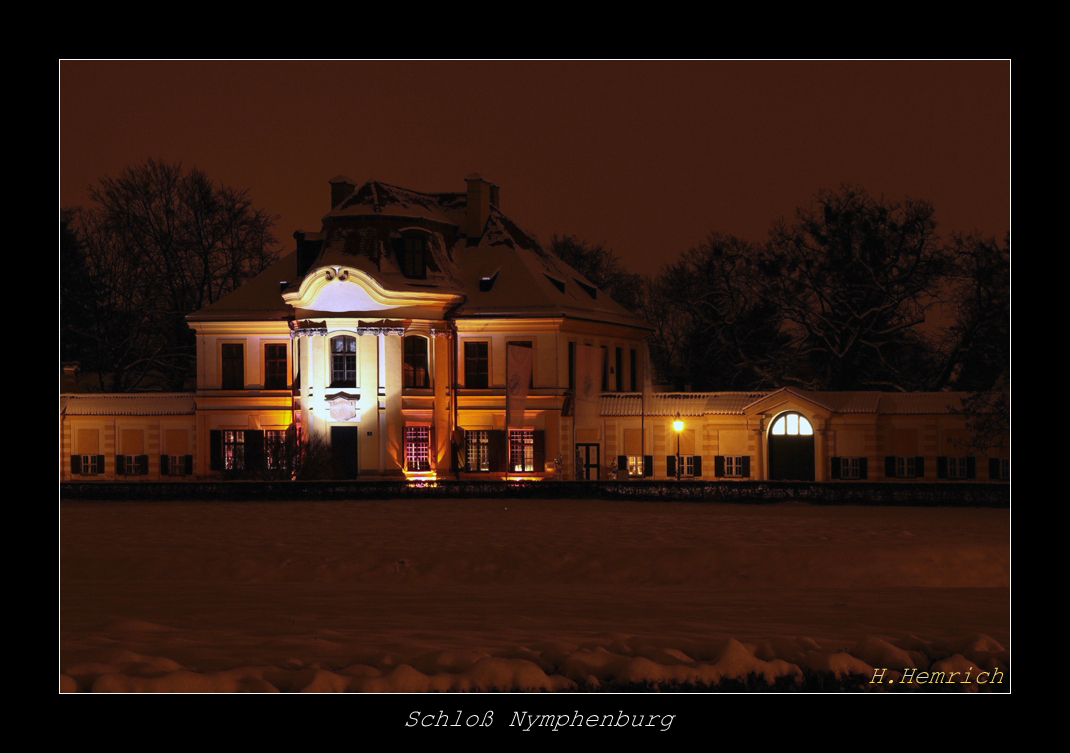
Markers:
(503, 272)
(130, 404)
(734, 403)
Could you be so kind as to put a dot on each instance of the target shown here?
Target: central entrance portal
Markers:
(344, 451)
(791, 448)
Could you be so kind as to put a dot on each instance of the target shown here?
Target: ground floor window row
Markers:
(250, 450)
(132, 465)
(512, 451)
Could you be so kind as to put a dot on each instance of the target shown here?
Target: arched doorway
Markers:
(791, 448)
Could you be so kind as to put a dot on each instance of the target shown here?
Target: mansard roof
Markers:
(501, 272)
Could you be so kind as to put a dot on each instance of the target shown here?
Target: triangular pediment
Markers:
(787, 399)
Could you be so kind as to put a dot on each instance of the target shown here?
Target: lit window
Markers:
(275, 454)
(792, 424)
(233, 450)
(343, 361)
(521, 450)
(635, 465)
(275, 367)
(477, 450)
(417, 448)
(415, 366)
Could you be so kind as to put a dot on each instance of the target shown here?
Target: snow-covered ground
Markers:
(522, 594)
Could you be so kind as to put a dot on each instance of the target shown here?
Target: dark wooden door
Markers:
(791, 457)
(344, 450)
(588, 460)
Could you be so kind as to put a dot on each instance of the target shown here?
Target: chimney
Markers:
(481, 196)
(341, 188)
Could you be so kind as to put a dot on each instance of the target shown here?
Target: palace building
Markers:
(425, 335)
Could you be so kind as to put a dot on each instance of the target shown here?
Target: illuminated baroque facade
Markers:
(384, 340)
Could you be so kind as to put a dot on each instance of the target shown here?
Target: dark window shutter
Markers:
(622, 462)
(971, 467)
(746, 466)
(164, 460)
(215, 438)
(718, 466)
(76, 464)
(497, 452)
(698, 466)
(648, 465)
(143, 465)
(941, 467)
(889, 466)
(670, 466)
(254, 451)
(100, 464)
(538, 450)
(993, 468)
(120, 465)
(919, 467)
(863, 468)
(187, 469)
(836, 468)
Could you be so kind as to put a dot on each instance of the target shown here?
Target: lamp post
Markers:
(678, 426)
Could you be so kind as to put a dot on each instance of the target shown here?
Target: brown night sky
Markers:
(649, 157)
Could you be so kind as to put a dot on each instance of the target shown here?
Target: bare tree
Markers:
(160, 242)
(853, 278)
(601, 266)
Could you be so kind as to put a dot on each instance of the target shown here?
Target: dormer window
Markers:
(411, 253)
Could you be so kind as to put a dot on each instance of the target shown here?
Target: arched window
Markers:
(792, 424)
(343, 361)
(415, 366)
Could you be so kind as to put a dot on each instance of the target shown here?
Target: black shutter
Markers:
(971, 467)
(76, 464)
(497, 452)
(718, 466)
(889, 466)
(254, 451)
(698, 466)
(863, 468)
(215, 439)
(746, 466)
(670, 466)
(919, 467)
(120, 465)
(187, 468)
(622, 463)
(648, 466)
(143, 465)
(164, 460)
(836, 468)
(538, 450)
(993, 468)
(100, 464)
(941, 467)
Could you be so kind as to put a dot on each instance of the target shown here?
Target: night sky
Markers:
(648, 157)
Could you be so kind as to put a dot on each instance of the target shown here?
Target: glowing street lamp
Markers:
(678, 426)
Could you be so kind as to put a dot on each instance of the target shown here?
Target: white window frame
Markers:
(418, 449)
(851, 468)
(635, 465)
(477, 449)
(522, 449)
(89, 461)
(733, 466)
(905, 467)
(686, 467)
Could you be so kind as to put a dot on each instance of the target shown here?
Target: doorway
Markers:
(588, 460)
(791, 448)
(344, 451)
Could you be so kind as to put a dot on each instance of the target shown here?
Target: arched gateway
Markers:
(791, 448)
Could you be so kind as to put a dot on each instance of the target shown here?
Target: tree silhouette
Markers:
(157, 243)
